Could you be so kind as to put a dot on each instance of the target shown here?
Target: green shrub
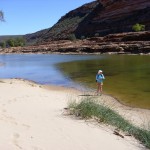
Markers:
(72, 37)
(138, 27)
(3, 44)
(13, 42)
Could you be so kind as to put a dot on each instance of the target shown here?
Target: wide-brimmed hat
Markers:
(100, 71)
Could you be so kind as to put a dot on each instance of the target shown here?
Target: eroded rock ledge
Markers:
(123, 43)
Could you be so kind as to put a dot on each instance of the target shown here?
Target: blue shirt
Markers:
(100, 78)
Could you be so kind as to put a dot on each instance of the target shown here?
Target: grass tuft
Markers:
(89, 108)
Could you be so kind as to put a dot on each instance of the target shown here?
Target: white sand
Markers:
(32, 118)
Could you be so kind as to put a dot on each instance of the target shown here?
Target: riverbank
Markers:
(121, 43)
(32, 116)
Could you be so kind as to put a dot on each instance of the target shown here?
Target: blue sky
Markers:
(29, 16)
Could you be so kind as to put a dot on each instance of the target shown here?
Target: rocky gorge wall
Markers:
(65, 27)
(101, 17)
(123, 43)
(115, 16)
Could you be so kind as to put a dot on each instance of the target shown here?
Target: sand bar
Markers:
(32, 118)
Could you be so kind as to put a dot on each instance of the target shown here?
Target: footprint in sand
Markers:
(36, 148)
(26, 126)
(16, 135)
(15, 138)
(4, 110)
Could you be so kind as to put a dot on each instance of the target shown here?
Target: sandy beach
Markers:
(32, 117)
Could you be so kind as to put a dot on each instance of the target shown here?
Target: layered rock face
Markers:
(123, 43)
(65, 27)
(115, 16)
(121, 8)
(101, 17)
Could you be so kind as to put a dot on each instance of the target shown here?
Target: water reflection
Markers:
(127, 77)
(37, 67)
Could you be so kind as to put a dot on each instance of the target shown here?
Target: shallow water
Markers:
(37, 67)
(127, 77)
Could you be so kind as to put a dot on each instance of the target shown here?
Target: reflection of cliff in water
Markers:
(127, 77)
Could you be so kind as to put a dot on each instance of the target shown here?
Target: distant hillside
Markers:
(6, 37)
(66, 26)
(100, 17)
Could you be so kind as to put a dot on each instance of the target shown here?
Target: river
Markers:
(127, 76)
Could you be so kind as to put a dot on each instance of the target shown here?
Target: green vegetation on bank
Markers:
(89, 108)
(138, 27)
(13, 42)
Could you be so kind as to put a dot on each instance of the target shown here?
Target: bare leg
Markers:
(98, 88)
(101, 88)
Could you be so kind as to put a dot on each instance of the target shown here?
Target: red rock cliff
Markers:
(99, 17)
(114, 16)
(120, 8)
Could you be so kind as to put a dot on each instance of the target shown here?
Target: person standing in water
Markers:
(99, 79)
